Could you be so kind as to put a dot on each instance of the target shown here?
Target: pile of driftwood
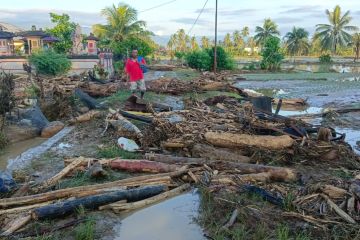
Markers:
(206, 82)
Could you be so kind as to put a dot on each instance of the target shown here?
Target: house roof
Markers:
(34, 33)
(92, 37)
(50, 39)
(6, 35)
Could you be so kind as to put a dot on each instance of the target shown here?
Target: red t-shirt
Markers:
(134, 70)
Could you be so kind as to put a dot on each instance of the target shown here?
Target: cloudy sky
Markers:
(233, 14)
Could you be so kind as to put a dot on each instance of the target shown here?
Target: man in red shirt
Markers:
(135, 73)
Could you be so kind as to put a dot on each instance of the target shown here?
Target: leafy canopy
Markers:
(297, 42)
(62, 30)
(269, 29)
(271, 54)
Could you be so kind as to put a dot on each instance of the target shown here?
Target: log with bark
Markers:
(265, 177)
(96, 170)
(231, 140)
(142, 166)
(16, 224)
(90, 102)
(170, 159)
(117, 207)
(291, 101)
(212, 153)
(163, 178)
(85, 117)
(93, 202)
(99, 90)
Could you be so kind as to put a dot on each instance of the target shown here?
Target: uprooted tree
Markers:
(7, 101)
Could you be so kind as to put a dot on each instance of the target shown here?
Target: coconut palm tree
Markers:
(121, 23)
(336, 33)
(228, 43)
(269, 28)
(356, 44)
(205, 42)
(297, 42)
(245, 31)
(171, 45)
(194, 44)
(238, 41)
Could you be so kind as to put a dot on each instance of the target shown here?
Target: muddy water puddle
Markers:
(16, 149)
(172, 219)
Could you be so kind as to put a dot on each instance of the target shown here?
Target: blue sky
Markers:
(233, 14)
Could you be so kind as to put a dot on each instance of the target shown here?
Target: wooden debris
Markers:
(333, 192)
(142, 166)
(86, 117)
(93, 202)
(212, 153)
(117, 207)
(231, 140)
(338, 210)
(16, 224)
(96, 170)
(324, 134)
(232, 219)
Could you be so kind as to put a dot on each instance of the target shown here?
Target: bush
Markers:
(325, 58)
(49, 62)
(199, 60)
(223, 60)
(204, 59)
(271, 54)
(125, 47)
(180, 55)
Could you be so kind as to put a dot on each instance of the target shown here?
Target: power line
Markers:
(198, 17)
(157, 6)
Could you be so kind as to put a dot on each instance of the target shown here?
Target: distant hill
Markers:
(10, 28)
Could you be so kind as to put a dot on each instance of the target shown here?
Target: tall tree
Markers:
(180, 41)
(245, 31)
(205, 42)
(228, 43)
(62, 30)
(336, 33)
(297, 42)
(269, 29)
(122, 23)
(171, 45)
(356, 44)
(238, 41)
(194, 44)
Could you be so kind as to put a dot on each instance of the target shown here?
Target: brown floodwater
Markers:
(16, 149)
(171, 219)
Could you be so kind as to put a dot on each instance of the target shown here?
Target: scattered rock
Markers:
(52, 128)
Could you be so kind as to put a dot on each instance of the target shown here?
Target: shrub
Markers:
(199, 60)
(180, 55)
(124, 48)
(49, 62)
(204, 59)
(223, 60)
(271, 54)
(325, 58)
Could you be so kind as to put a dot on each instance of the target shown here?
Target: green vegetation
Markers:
(124, 31)
(269, 29)
(271, 54)
(7, 98)
(33, 91)
(199, 60)
(62, 30)
(85, 231)
(325, 59)
(335, 34)
(356, 44)
(48, 62)
(282, 232)
(297, 42)
(114, 151)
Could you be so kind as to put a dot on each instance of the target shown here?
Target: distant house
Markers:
(6, 43)
(36, 39)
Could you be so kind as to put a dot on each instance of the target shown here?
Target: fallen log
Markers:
(86, 99)
(212, 153)
(93, 202)
(55, 179)
(135, 117)
(163, 178)
(162, 67)
(214, 86)
(338, 210)
(142, 166)
(291, 101)
(16, 224)
(333, 192)
(265, 195)
(85, 117)
(232, 140)
(23, 209)
(232, 219)
(96, 170)
(174, 159)
(125, 128)
(117, 207)
(264, 177)
(99, 90)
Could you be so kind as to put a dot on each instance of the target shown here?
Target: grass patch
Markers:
(85, 231)
(205, 95)
(288, 202)
(282, 232)
(114, 151)
(185, 74)
(346, 175)
(297, 76)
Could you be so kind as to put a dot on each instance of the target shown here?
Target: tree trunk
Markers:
(93, 202)
(142, 166)
(211, 153)
(86, 117)
(231, 140)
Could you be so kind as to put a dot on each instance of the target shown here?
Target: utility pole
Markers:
(215, 47)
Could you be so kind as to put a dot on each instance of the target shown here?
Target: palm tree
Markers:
(245, 32)
(121, 23)
(335, 33)
(205, 42)
(297, 42)
(194, 44)
(171, 45)
(269, 28)
(356, 43)
(228, 43)
(238, 41)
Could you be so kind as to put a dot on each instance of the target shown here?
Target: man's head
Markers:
(134, 53)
